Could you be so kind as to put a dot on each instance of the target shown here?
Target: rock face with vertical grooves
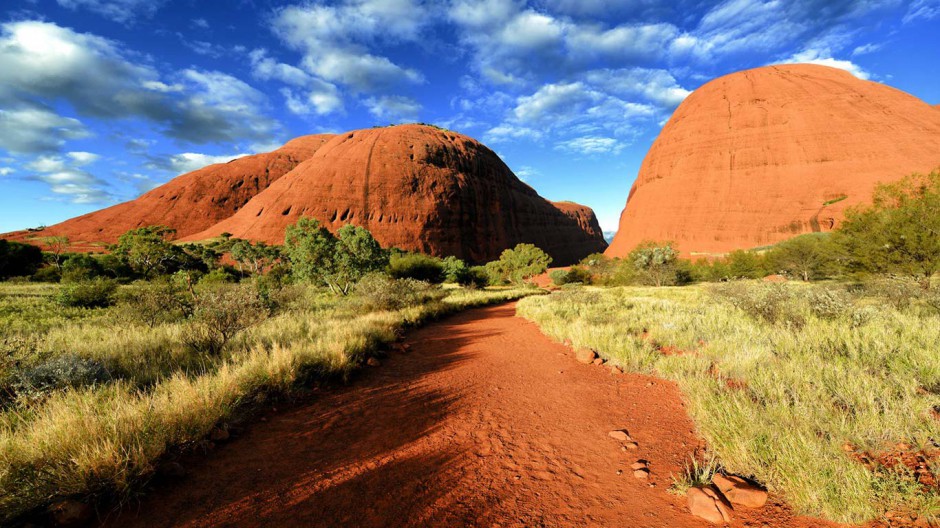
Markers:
(191, 202)
(418, 188)
(759, 156)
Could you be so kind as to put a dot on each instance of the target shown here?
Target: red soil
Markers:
(758, 156)
(418, 188)
(188, 203)
(485, 422)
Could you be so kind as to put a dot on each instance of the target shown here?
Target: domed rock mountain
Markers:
(415, 187)
(188, 203)
(759, 156)
(419, 188)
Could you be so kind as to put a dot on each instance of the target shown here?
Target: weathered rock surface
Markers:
(585, 355)
(740, 492)
(418, 188)
(761, 155)
(707, 504)
(189, 203)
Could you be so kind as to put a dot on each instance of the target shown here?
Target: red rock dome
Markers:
(418, 188)
(188, 203)
(761, 155)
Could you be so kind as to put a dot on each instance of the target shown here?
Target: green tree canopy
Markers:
(519, 264)
(148, 251)
(899, 234)
(256, 258)
(338, 262)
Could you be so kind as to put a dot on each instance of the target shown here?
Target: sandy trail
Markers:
(485, 422)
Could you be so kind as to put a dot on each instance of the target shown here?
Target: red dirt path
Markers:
(485, 422)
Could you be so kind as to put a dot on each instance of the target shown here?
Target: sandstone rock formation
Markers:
(191, 202)
(418, 188)
(759, 156)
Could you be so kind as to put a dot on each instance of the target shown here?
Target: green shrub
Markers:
(47, 274)
(18, 260)
(378, 291)
(828, 303)
(80, 267)
(477, 277)
(418, 267)
(771, 303)
(218, 276)
(574, 275)
(94, 293)
(159, 301)
(57, 373)
(898, 292)
(455, 270)
(219, 314)
(518, 264)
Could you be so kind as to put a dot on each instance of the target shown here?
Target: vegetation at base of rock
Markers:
(145, 350)
(518, 264)
(780, 378)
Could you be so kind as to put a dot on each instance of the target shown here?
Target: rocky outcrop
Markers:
(761, 155)
(418, 188)
(189, 203)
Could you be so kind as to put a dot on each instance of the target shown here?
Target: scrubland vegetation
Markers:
(827, 392)
(145, 351)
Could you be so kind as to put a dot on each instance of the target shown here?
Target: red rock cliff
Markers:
(761, 155)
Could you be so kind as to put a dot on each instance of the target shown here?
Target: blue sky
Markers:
(101, 100)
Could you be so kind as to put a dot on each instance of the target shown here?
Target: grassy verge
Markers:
(822, 405)
(105, 439)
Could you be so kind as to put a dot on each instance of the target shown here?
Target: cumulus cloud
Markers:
(190, 161)
(591, 145)
(393, 107)
(45, 64)
(122, 11)
(824, 58)
(32, 129)
(335, 40)
(66, 176)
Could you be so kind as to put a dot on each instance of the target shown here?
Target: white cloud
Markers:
(6, 171)
(865, 49)
(658, 86)
(335, 40)
(922, 10)
(591, 145)
(45, 62)
(123, 11)
(527, 173)
(823, 58)
(266, 68)
(29, 130)
(190, 161)
(507, 132)
(393, 107)
(83, 158)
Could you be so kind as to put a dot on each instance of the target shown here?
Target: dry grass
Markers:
(779, 401)
(105, 440)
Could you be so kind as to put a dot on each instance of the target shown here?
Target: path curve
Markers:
(485, 422)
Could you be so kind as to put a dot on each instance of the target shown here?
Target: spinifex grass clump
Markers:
(788, 384)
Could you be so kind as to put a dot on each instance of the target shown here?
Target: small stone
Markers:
(642, 474)
(585, 355)
(566, 342)
(219, 434)
(639, 464)
(740, 492)
(620, 472)
(621, 435)
(70, 513)
(373, 362)
(599, 361)
(631, 445)
(704, 504)
(615, 370)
